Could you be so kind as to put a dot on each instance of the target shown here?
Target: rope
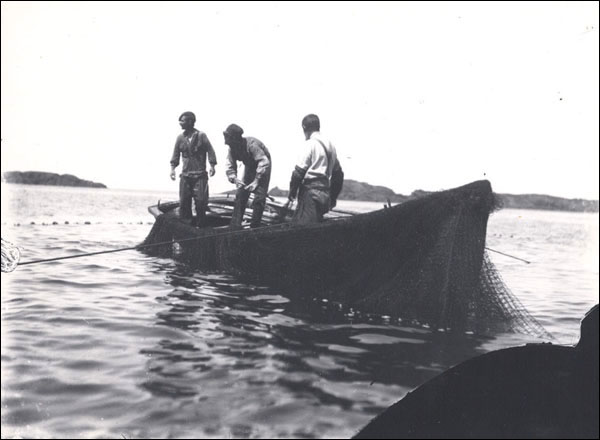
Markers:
(281, 213)
(507, 255)
(143, 246)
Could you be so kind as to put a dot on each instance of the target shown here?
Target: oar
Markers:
(507, 255)
(11, 254)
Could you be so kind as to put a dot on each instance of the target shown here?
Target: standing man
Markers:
(318, 178)
(193, 146)
(257, 173)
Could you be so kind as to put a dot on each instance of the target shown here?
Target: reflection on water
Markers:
(250, 355)
(126, 345)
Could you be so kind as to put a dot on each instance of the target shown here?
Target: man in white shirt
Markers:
(318, 178)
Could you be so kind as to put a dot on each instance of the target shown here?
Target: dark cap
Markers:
(189, 115)
(234, 131)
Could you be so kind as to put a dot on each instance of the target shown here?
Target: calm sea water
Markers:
(128, 346)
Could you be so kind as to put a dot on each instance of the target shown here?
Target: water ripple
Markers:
(126, 345)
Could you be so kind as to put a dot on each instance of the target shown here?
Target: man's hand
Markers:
(252, 186)
(172, 174)
(212, 171)
(286, 205)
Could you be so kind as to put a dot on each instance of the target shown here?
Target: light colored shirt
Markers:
(318, 158)
(193, 150)
(255, 156)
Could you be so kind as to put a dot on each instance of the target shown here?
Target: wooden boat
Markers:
(533, 391)
(423, 259)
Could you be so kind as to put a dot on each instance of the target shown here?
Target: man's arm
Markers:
(337, 182)
(212, 157)
(230, 167)
(263, 165)
(302, 166)
(295, 182)
(175, 159)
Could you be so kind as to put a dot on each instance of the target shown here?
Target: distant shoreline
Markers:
(352, 191)
(44, 178)
(361, 191)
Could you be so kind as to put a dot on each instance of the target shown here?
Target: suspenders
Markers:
(326, 155)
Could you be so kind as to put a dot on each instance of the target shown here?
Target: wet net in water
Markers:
(11, 255)
(422, 260)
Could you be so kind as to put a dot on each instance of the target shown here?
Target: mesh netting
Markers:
(421, 260)
(506, 306)
(11, 255)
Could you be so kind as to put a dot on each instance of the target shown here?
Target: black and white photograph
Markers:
(300, 219)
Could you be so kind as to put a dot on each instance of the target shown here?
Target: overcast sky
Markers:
(413, 95)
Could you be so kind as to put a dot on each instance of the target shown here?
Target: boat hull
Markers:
(423, 259)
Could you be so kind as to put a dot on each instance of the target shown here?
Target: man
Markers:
(193, 146)
(257, 173)
(318, 178)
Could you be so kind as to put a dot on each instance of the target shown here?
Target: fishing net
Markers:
(11, 255)
(422, 260)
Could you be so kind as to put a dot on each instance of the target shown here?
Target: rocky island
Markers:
(354, 190)
(43, 178)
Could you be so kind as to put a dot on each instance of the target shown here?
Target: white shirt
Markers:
(317, 158)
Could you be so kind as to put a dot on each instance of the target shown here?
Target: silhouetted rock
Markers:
(354, 190)
(43, 178)
(539, 201)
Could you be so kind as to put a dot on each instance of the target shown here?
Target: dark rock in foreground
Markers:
(43, 178)
(532, 391)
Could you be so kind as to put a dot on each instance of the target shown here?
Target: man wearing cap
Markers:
(318, 178)
(194, 146)
(257, 173)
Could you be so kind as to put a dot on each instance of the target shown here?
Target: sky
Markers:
(413, 95)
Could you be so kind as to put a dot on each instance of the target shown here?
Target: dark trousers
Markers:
(258, 205)
(313, 203)
(193, 188)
